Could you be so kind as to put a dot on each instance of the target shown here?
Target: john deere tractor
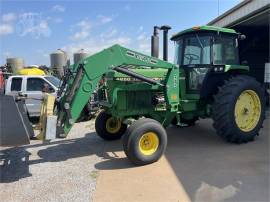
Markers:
(141, 95)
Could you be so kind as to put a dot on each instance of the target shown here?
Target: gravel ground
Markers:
(62, 170)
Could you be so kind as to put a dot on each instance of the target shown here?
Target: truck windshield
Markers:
(225, 51)
(53, 80)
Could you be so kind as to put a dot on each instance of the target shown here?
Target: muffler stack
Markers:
(155, 42)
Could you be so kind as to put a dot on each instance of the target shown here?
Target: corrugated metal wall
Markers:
(250, 17)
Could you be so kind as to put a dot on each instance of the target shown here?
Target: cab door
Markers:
(34, 90)
(196, 60)
(14, 85)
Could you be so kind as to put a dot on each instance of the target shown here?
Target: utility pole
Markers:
(218, 7)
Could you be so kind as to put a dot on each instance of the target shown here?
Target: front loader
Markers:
(141, 95)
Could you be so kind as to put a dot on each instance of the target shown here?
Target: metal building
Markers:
(251, 18)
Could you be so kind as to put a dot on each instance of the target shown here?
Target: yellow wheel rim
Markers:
(247, 110)
(148, 143)
(113, 125)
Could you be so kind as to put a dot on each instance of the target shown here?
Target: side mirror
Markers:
(242, 37)
(51, 90)
(48, 89)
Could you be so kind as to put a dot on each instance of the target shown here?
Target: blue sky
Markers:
(34, 29)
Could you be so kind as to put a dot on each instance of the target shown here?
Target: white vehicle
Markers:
(33, 87)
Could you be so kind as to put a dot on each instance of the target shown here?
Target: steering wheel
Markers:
(191, 56)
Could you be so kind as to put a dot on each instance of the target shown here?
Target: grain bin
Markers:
(79, 55)
(58, 62)
(16, 64)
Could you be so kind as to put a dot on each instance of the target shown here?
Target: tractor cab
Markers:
(204, 52)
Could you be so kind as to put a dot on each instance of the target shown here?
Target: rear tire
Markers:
(145, 141)
(108, 127)
(239, 109)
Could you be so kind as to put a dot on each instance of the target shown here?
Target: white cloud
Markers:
(58, 20)
(109, 34)
(54, 19)
(120, 40)
(92, 43)
(58, 8)
(84, 24)
(95, 44)
(143, 41)
(80, 35)
(33, 24)
(6, 29)
(142, 36)
(6, 26)
(8, 17)
(84, 31)
(104, 19)
(144, 46)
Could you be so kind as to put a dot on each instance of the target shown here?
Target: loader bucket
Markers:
(15, 128)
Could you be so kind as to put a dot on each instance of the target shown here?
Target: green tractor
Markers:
(141, 95)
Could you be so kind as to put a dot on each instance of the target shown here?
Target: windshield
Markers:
(53, 80)
(197, 50)
(225, 51)
(178, 52)
(193, 49)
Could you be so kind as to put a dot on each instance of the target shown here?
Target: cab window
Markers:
(225, 51)
(197, 50)
(178, 52)
(16, 84)
(36, 84)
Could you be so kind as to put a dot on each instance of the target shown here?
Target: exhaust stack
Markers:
(155, 42)
(165, 29)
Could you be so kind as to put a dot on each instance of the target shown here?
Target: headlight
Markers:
(219, 69)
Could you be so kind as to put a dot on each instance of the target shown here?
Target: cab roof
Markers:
(203, 28)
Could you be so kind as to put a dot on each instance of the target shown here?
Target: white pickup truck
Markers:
(32, 86)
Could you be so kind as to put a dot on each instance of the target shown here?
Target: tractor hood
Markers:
(154, 73)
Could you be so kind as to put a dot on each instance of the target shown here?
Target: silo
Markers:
(15, 63)
(58, 62)
(78, 56)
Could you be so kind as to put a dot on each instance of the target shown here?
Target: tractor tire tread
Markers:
(223, 103)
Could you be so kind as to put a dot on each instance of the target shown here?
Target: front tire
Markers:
(239, 109)
(145, 141)
(108, 127)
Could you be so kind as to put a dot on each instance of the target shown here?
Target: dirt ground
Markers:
(63, 170)
(197, 166)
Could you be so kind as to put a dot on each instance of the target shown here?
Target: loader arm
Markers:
(92, 69)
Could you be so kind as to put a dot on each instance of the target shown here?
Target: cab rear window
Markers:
(16, 84)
